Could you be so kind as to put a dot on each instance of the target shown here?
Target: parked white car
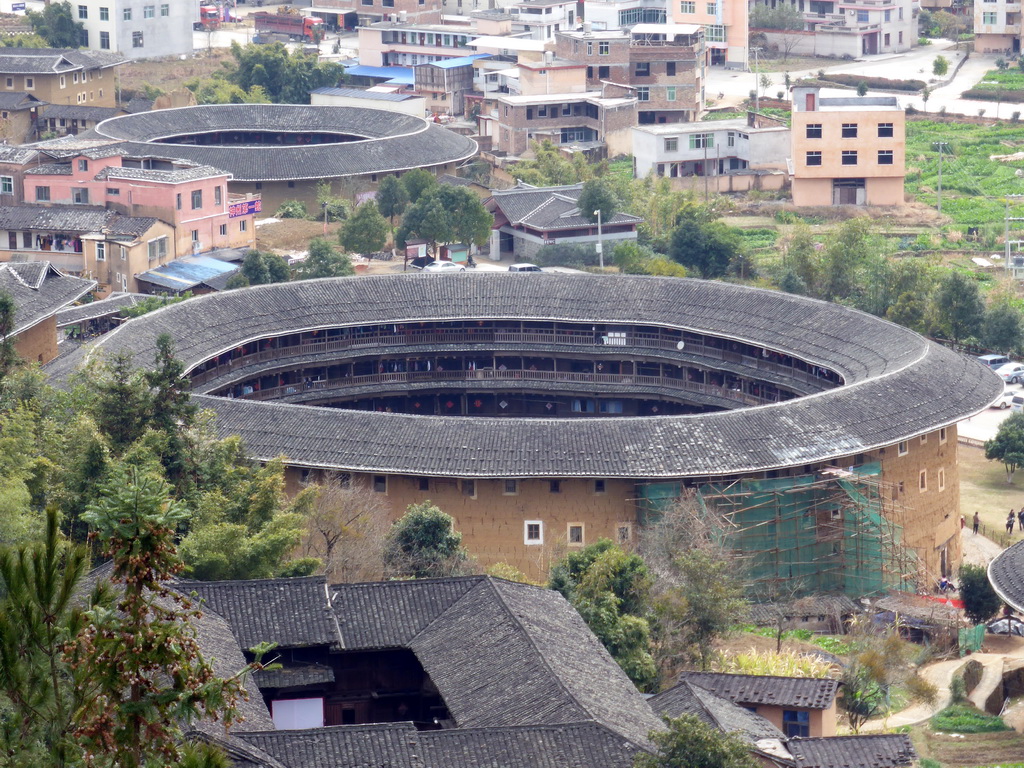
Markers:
(1011, 372)
(444, 266)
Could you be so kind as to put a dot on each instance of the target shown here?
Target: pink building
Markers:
(193, 199)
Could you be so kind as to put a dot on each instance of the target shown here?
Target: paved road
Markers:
(915, 64)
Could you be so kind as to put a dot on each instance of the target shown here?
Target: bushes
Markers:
(292, 209)
(963, 718)
(874, 83)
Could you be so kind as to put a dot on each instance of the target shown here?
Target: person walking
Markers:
(1020, 519)
(1010, 520)
(977, 522)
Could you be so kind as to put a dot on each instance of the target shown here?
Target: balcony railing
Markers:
(492, 338)
(404, 379)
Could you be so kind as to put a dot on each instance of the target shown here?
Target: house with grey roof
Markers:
(799, 707)
(39, 291)
(526, 218)
(95, 243)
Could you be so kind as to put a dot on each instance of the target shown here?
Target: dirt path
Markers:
(978, 550)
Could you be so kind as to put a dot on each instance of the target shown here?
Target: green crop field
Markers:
(973, 185)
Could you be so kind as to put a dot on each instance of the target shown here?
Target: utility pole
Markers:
(1006, 227)
(600, 248)
(940, 146)
(757, 85)
(705, 143)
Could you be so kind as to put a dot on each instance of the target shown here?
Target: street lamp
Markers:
(600, 250)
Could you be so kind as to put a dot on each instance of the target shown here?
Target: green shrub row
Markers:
(1009, 95)
(879, 83)
(963, 718)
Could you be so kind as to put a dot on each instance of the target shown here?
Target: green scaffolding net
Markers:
(836, 530)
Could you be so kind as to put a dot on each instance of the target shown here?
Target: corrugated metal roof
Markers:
(183, 274)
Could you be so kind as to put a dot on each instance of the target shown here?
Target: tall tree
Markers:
(324, 260)
(1008, 444)
(287, 78)
(468, 220)
(1003, 327)
(8, 354)
(424, 544)
(56, 24)
(260, 268)
(959, 305)
(143, 656)
(980, 601)
(122, 402)
(418, 183)
(426, 219)
(39, 614)
(689, 742)
(172, 412)
(597, 196)
(391, 198)
(366, 230)
(707, 248)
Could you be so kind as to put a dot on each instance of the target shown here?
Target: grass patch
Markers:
(971, 751)
(983, 487)
(961, 718)
(998, 85)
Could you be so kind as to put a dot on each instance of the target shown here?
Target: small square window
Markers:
(575, 534)
(922, 480)
(603, 48)
(424, 483)
(83, 164)
(380, 483)
(794, 723)
(149, 11)
(814, 130)
(197, 199)
(672, 145)
(849, 131)
(555, 486)
(218, 196)
(80, 195)
(942, 479)
(6, 185)
(243, 225)
(643, 69)
(813, 158)
(127, 14)
(903, 448)
(849, 157)
(137, 41)
(42, 194)
(165, 10)
(924, 439)
(885, 130)
(511, 488)
(469, 488)
(104, 45)
(599, 486)
(177, 201)
(83, 12)
(195, 235)
(10, 82)
(942, 436)
(885, 157)
(30, 83)
(533, 532)
(223, 230)
(104, 14)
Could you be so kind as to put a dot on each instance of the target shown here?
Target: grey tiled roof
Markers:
(78, 112)
(887, 751)
(392, 141)
(18, 155)
(15, 100)
(571, 745)
(190, 173)
(548, 208)
(389, 614)
(390, 745)
(813, 605)
(294, 676)
(39, 290)
(555, 670)
(803, 692)
(50, 169)
(53, 60)
(898, 384)
(1006, 574)
(114, 303)
(290, 612)
(689, 698)
(138, 104)
(72, 219)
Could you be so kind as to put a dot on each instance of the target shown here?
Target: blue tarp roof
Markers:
(183, 274)
(461, 61)
(401, 75)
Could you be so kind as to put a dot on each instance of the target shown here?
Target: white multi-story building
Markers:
(997, 26)
(848, 27)
(137, 29)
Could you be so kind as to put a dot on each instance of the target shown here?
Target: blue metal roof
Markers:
(183, 274)
(461, 61)
(401, 75)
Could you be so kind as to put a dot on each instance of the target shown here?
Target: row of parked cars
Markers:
(1011, 373)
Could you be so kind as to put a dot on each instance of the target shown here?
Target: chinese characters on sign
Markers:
(244, 208)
